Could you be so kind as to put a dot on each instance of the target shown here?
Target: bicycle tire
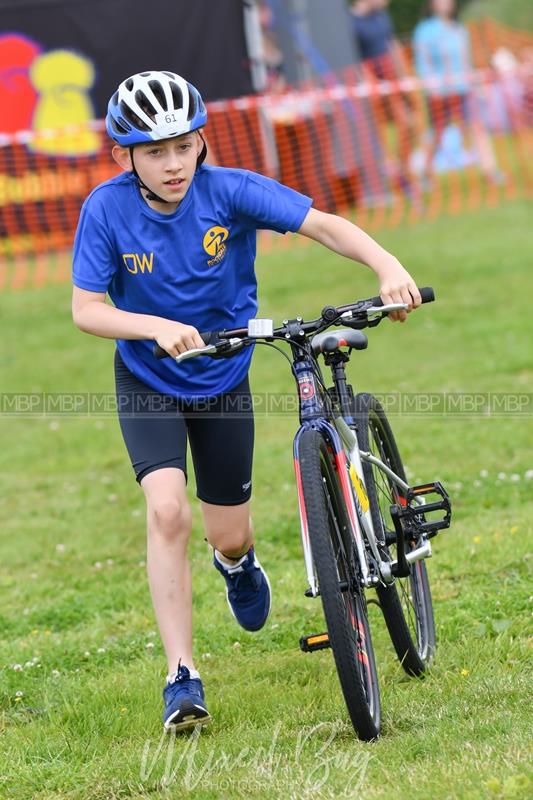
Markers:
(344, 610)
(413, 636)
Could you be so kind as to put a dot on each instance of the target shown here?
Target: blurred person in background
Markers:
(272, 55)
(443, 61)
(373, 31)
(382, 58)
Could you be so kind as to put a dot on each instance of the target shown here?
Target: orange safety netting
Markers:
(381, 145)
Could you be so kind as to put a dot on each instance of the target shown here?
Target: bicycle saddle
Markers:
(329, 341)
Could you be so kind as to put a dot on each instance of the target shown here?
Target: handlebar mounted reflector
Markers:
(259, 328)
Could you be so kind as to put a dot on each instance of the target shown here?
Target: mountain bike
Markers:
(363, 527)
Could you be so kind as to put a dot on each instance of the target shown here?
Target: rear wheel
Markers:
(406, 604)
(342, 598)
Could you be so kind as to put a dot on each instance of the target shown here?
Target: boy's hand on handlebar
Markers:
(397, 286)
(177, 338)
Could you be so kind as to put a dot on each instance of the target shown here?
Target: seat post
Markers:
(337, 361)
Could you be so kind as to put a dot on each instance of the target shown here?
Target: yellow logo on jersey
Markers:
(138, 263)
(214, 244)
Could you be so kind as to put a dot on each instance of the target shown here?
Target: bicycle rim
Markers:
(342, 601)
(406, 605)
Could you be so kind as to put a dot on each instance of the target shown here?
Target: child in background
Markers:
(443, 60)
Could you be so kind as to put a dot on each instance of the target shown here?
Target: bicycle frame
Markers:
(339, 431)
(341, 438)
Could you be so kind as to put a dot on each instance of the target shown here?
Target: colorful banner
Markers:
(60, 60)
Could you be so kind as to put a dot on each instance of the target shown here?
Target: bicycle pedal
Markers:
(435, 487)
(314, 641)
(417, 514)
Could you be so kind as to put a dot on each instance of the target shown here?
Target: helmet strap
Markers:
(203, 154)
(150, 194)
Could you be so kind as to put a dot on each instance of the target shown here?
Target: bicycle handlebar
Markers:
(361, 314)
(426, 293)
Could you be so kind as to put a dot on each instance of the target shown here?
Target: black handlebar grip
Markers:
(160, 353)
(426, 293)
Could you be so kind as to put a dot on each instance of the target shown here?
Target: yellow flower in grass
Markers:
(465, 672)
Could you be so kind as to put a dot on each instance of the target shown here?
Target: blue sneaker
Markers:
(248, 591)
(184, 702)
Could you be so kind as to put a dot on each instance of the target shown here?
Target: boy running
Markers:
(172, 241)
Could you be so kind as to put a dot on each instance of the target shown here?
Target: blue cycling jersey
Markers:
(194, 266)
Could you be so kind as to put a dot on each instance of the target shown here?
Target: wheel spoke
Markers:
(408, 605)
(410, 591)
(386, 493)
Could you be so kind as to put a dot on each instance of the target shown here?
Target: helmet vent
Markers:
(192, 106)
(118, 128)
(177, 96)
(122, 122)
(159, 94)
(133, 119)
(144, 103)
(129, 84)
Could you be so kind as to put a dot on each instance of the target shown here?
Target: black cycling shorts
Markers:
(220, 431)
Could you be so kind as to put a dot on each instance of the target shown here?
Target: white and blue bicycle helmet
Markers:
(152, 106)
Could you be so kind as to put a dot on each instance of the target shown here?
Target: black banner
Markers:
(77, 51)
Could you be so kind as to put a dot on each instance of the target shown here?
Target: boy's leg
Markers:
(156, 438)
(169, 576)
(168, 530)
(228, 529)
(229, 532)
(221, 441)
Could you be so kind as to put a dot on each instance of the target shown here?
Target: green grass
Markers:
(516, 13)
(75, 601)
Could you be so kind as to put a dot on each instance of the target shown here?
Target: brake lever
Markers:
(221, 349)
(195, 351)
(373, 311)
(230, 347)
(369, 317)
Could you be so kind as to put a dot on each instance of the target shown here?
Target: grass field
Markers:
(516, 13)
(81, 666)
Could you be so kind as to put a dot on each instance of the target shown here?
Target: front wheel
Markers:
(406, 604)
(343, 600)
